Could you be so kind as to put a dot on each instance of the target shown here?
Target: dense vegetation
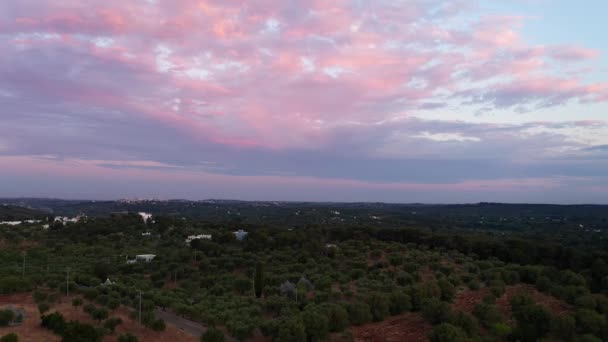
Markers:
(296, 282)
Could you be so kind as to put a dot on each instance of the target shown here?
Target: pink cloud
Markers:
(213, 69)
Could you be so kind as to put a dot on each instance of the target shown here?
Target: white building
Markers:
(240, 234)
(200, 236)
(141, 258)
(145, 216)
(145, 257)
(11, 223)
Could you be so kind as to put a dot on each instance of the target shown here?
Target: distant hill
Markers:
(303, 213)
(16, 213)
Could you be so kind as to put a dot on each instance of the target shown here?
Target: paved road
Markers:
(186, 325)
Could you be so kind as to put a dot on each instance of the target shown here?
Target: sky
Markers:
(343, 100)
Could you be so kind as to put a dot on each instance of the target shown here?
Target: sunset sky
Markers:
(336, 100)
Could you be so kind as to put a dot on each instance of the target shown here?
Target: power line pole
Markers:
(23, 266)
(139, 308)
(67, 281)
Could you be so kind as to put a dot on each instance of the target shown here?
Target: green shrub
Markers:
(212, 335)
(338, 318)
(435, 311)
(77, 301)
(487, 314)
(112, 323)
(447, 333)
(359, 313)
(399, 302)
(128, 337)
(379, 306)
(158, 325)
(43, 307)
(12, 337)
(6, 316)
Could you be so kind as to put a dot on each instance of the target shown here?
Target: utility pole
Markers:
(139, 308)
(67, 281)
(23, 266)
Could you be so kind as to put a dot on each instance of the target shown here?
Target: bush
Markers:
(466, 322)
(447, 290)
(502, 331)
(100, 314)
(435, 311)
(563, 327)
(338, 318)
(6, 316)
(112, 323)
(533, 322)
(12, 337)
(359, 313)
(212, 335)
(399, 303)
(379, 306)
(43, 307)
(487, 314)
(78, 332)
(89, 308)
(292, 330)
(77, 301)
(315, 323)
(158, 325)
(589, 321)
(128, 337)
(447, 333)
(54, 322)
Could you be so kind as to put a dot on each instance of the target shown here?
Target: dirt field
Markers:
(31, 331)
(407, 327)
(466, 300)
(554, 305)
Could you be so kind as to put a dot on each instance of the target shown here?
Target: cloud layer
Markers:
(344, 93)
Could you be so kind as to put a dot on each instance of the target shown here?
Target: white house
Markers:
(11, 223)
(145, 257)
(240, 234)
(65, 220)
(200, 236)
(141, 258)
(145, 216)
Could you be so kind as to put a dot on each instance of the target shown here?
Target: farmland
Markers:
(435, 275)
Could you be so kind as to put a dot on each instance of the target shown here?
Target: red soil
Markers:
(30, 329)
(407, 327)
(466, 300)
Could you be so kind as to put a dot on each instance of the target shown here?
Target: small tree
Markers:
(43, 307)
(292, 330)
(112, 323)
(315, 323)
(435, 311)
(379, 306)
(158, 325)
(259, 279)
(212, 335)
(242, 285)
(447, 333)
(100, 314)
(12, 337)
(128, 337)
(6, 316)
(338, 318)
(77, 301)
